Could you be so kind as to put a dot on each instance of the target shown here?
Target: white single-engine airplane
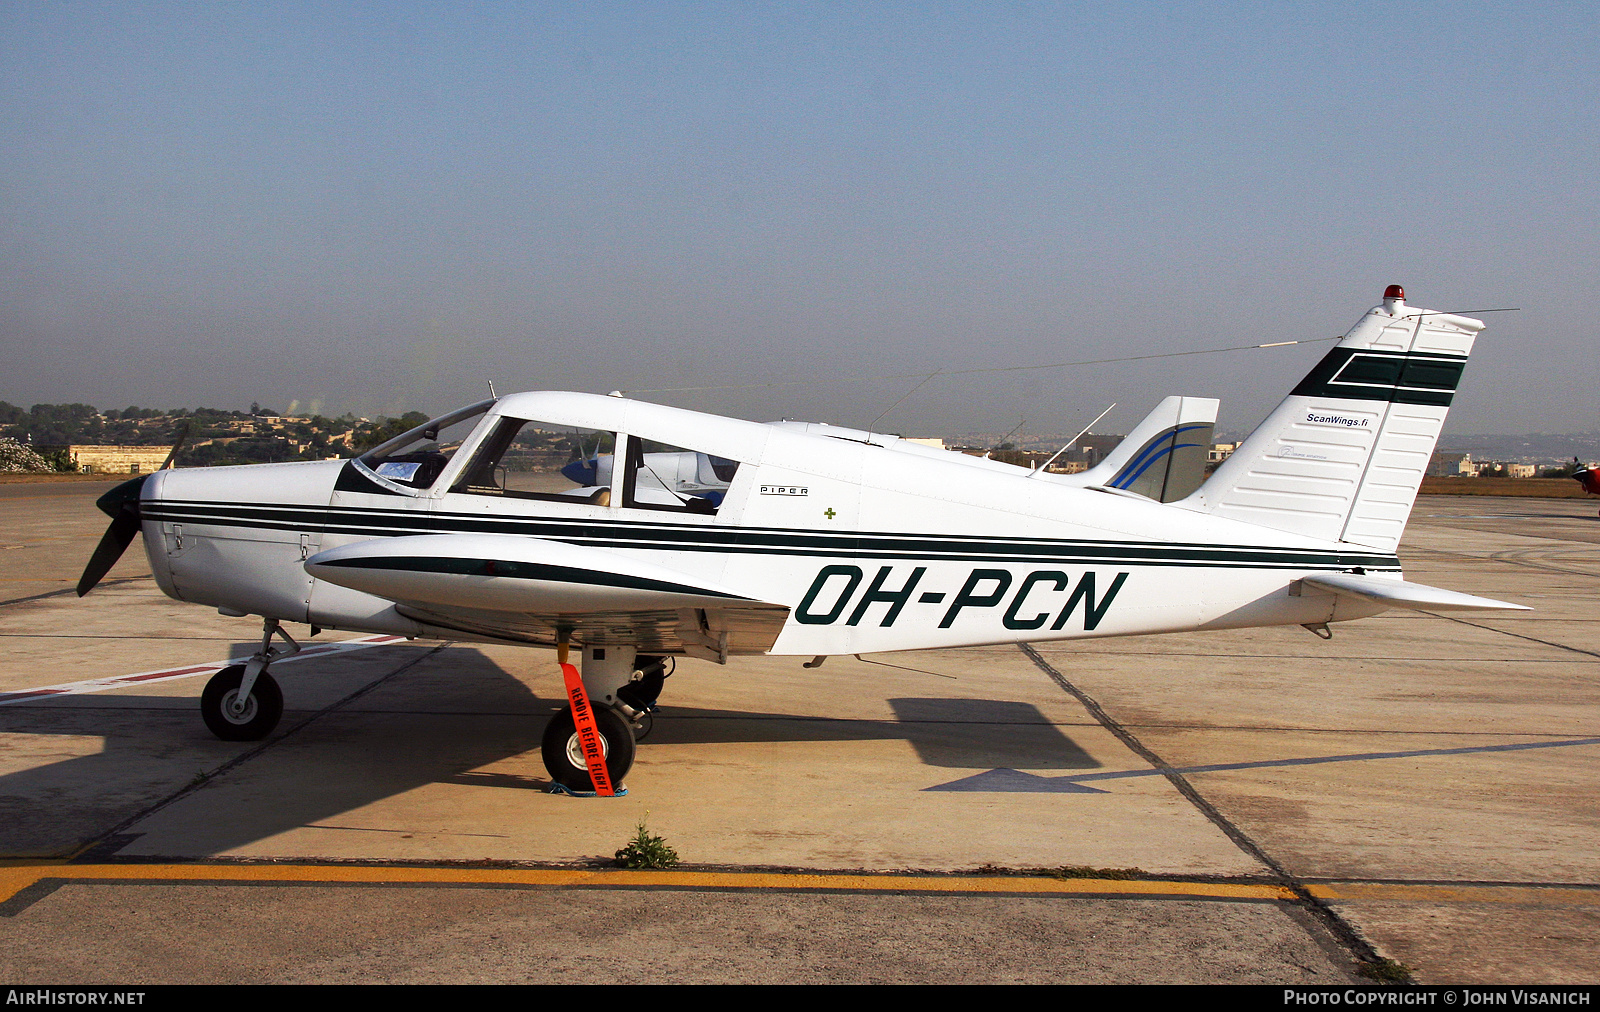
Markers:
(640, 532)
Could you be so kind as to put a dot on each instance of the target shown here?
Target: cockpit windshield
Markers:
(415, 459)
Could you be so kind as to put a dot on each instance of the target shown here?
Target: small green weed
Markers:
(1084, 871)
(1386, 971)
(646, 850)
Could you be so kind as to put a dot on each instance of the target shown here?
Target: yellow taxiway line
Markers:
(17, 877)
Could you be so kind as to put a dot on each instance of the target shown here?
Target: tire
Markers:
(564, 760)
(260, 716)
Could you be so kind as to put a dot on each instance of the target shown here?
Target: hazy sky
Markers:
(378, 207)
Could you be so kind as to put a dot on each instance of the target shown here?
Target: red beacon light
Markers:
(1394, 292)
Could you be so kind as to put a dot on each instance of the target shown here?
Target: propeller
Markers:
(121, 504)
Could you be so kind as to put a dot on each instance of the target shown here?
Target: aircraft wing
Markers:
(1400, 594)
(528, 589)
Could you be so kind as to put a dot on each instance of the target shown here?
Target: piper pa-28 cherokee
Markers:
(640, 533)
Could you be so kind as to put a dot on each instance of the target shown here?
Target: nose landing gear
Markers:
(242, 702)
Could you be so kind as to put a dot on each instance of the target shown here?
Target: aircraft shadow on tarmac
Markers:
(439, 722)
(954, 733)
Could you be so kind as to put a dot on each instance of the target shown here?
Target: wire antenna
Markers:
(1074, 439)
(874, 424)
(973, 372)
(1004, 438)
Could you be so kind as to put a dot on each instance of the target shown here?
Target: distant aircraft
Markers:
(1586, 477)
(638, 533)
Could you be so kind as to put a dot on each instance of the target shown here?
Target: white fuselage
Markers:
(868, 547)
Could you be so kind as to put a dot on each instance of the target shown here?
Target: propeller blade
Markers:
(172, 455)
(121, 504)
(124, 528)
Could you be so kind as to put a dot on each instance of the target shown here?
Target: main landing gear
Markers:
(242, 702)
(622, 686)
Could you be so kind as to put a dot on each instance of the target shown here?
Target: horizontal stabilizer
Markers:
(1400, 594)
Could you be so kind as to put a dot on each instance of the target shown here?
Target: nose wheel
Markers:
(242, 702)
(233, 719)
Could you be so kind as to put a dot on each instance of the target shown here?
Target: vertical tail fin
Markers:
(1342, 457)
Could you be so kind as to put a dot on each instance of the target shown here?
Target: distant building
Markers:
(1505, 469)
(1093, 448)
(117, 459)
(1220, 452)
(1446, 463)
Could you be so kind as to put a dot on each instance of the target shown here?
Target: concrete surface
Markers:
(1432, 781)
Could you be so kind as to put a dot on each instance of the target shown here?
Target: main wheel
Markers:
(563, 756)
(262, 710)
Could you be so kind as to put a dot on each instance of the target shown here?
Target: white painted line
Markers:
(171, 674)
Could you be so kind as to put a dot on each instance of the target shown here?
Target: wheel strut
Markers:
(259, 660)
(242, 702)
(587, 749)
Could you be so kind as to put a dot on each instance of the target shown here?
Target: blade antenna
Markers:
(1074, 439)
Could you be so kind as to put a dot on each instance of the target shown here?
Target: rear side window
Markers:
(660, 476)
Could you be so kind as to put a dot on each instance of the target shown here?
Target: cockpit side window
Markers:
(538, 460)
(660, 476)
(415, 459)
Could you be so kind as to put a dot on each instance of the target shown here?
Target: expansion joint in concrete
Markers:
(1520, 636)
(1329, 918)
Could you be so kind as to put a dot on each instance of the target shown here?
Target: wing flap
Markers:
(714, 634)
